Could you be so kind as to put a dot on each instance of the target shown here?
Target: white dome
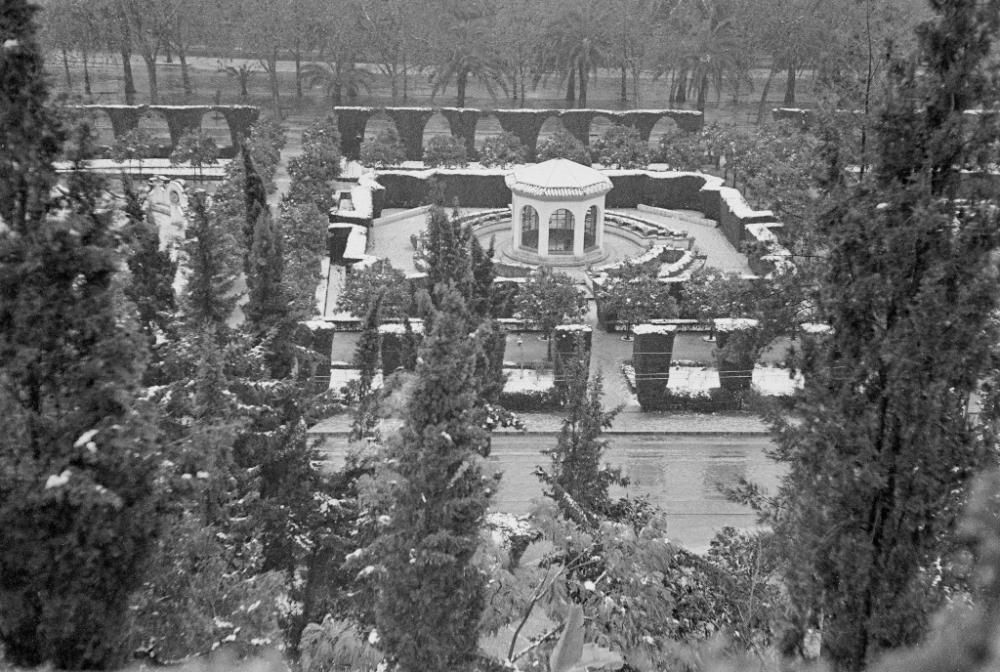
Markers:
(558, 179)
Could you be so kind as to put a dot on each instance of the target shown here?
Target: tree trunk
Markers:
(272, 71)
(86, 73)
(762, 106)
(69, 79)
(298, 71)
(681, 92)
(571, 87)
(624, 84)
(460, 84)
(129, 79)
(583, 84)
(337, 90)
(168, 54)
(703, 92)
(185, 74)
(406, 79)
(790, 85)
(154, 92)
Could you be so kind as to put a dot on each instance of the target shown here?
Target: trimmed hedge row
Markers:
(409, 190)
(524, 402)
(179, 118)
(525, 124)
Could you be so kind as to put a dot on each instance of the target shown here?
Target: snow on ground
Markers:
(528, 380)
(771, 381)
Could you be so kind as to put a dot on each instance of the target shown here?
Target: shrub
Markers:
(447, 151)
(135, 145)
(196, 148)
(312, 172)
(385, 149)
(621, 147)
(683, 151)
(502, 150)
(562, 145)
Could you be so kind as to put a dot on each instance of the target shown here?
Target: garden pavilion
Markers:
(557, 211)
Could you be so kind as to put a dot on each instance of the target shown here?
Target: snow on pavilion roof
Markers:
(558, 179)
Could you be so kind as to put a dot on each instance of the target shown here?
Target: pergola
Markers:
(558, 209)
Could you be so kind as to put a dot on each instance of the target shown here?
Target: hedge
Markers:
(651, 355)
(181, 118)
(525, 124)
(537, 400)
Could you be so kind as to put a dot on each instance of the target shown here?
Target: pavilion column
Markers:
(517, 224)
(579, 224)
(599, 224)
(543, 231)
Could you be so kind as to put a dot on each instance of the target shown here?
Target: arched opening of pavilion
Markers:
(558, 212)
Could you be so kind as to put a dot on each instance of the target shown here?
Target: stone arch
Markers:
(549, 127)
(155, 124)
(410, 121)
(215, 126)
(101, 124)
(525, 124)
(665, 127)
(436, 125)
(562, 226)
(528, 222)
(590, 222)
(599, 125)
(378, 122)
(487, 126)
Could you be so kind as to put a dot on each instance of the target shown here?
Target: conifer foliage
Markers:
(880, 463)
(79, 452)
(430, 594)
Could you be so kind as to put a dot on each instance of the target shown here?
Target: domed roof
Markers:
(558, 179)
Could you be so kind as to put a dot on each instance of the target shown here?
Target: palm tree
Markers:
(336, 78)
(469, 53)
(579, 42)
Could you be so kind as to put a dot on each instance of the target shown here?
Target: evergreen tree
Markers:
(880, 462)
(212, 265)
(79, 452)
(152, 286)
(31, 135)
(366, 358)
(268, 299)
(255, 205)
(578, 481)
(430, 594)
(447, 252)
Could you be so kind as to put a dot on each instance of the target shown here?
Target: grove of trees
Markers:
(694, 48)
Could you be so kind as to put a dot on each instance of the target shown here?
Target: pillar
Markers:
(736, 341)
(543, 231)
(652, 351)
(579, 223)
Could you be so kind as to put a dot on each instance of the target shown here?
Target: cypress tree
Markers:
(366, 358)
(31, 136)
(430, 594)
(268, 300)
(577, 480)
(79, 452)
(255, 202)
(211, 259)
(152, 269)
(880, 462)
